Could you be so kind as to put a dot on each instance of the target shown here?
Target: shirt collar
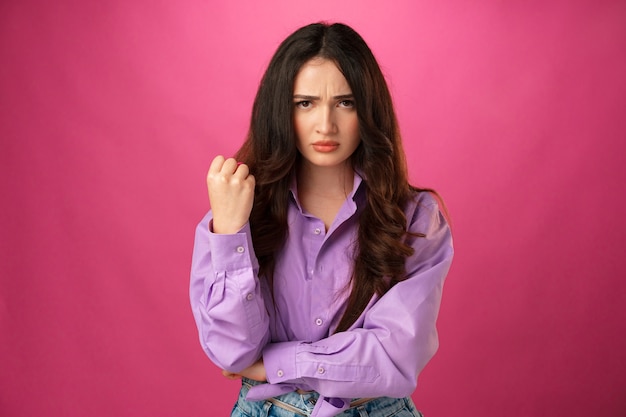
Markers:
(356, 189)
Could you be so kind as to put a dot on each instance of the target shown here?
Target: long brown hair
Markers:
(270, 152)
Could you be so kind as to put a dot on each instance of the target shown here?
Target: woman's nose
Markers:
(326, 121)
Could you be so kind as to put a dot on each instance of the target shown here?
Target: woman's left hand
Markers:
(255, 372)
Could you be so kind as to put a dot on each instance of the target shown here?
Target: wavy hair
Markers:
(271, 154)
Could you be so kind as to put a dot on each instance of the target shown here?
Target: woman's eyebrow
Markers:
(305, 97)
(338, 97)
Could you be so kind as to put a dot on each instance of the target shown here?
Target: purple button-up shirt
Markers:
(380, 355)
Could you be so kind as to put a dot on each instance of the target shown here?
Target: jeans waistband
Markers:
(278, 401)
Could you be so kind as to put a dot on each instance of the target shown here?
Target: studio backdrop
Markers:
(110, 113)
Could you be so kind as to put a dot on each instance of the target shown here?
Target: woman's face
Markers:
(325, 119)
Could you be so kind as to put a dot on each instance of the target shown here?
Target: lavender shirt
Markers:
(380, 355)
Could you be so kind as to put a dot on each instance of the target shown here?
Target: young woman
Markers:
(317, 275)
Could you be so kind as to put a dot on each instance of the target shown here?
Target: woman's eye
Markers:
(304, 104)
(347, 103)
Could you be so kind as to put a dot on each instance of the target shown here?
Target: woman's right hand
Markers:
(231, 193)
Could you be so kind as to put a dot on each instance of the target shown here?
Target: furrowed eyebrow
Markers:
(307, 97)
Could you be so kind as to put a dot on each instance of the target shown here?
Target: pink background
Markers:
(111, 111)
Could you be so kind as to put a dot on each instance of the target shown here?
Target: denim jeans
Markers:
(304, 403)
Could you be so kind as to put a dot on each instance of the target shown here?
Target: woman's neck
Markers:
(323, 190)
(326, 182)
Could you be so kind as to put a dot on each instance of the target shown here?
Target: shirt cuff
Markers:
(232, 251)
(279, 360)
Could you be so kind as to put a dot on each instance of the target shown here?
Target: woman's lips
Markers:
(325, 146)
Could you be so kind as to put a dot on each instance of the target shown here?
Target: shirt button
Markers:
(280, 373)
(321, 370)
(317, 231)
(240, 249)
(249, 297)
(319, 322)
